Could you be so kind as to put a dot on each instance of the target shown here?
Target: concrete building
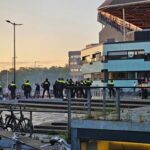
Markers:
(126, 62)
(91, 63)
(75, 65)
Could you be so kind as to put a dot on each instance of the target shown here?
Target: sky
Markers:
(50, 29)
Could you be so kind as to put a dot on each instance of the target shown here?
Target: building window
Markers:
(75, 70)
(97, 76)
(86, 59)
(96, 57)
(127, 54)
(75, 56)
(85, 76)
(132, 75)
(73, 63)
(118, 75)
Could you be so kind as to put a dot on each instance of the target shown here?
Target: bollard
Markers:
(118, 103)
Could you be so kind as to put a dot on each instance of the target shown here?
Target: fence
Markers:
(110, 103)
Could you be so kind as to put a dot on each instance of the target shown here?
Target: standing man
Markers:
(12, 88)
(111, 89)
(27, 89)
(46, 85)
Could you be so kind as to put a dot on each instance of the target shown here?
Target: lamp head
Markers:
(8, 21)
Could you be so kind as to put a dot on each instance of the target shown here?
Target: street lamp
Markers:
(14, 25)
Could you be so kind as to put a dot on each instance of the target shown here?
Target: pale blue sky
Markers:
(50, 28)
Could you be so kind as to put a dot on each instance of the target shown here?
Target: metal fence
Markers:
(110, 103)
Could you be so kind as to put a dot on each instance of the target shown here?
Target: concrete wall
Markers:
(109, 32)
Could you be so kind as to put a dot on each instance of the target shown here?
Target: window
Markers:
(132, 75)
(75, 70)
(73, 63)
(117, 55)
(75, 56)
(126, 54)
(96, 57)
(97, 76)
(87, 76)
(86, 59)
(118, 75)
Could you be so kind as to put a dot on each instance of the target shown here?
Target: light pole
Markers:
(14, 26)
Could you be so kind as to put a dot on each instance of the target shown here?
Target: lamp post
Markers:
(14, 28)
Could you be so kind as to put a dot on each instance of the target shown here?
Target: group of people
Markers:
(27, 88)
(59, 88)
(78, 91)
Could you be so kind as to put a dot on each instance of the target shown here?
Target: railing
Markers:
(110, 103)
(117, 22)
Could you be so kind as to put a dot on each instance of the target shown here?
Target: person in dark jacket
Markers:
(27, 89)
(12, 88)
(46, 86)
(111, 88)
(37, 91)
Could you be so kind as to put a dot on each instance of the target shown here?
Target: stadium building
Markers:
(125, 40)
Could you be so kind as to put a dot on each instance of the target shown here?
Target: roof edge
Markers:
(125, 4)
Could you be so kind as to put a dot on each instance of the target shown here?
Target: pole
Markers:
(104, 103)
(31, 127)
(7, 79)
(14, 53)
(69, 112)
(124, 29)
(14, 62)
(118, 103)
(89, 101)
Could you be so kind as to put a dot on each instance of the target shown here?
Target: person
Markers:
(27, 89)
(37, 91)
(46, 85)
(111, 89)
(12, 88)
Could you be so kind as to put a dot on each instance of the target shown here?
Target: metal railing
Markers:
(109, 105)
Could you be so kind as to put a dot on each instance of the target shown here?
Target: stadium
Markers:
(123, 16)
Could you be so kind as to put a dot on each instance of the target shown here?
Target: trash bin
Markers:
(144, 94)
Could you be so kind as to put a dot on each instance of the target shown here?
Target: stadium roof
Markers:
(137, 12)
